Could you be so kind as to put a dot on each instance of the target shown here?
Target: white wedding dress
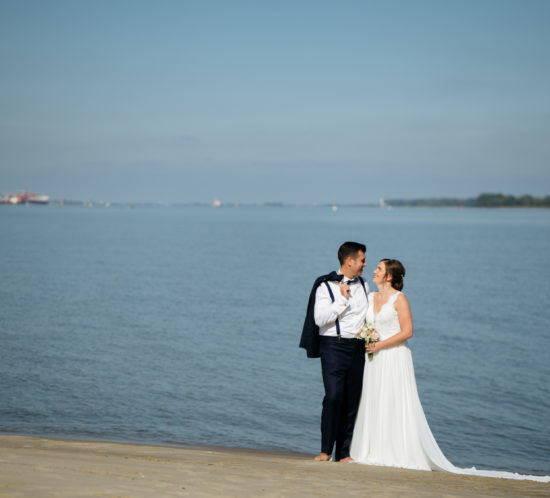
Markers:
(391, 428)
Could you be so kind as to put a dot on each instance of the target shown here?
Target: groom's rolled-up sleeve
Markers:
(326, 312)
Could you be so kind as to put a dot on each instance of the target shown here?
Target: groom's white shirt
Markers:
(351, 313)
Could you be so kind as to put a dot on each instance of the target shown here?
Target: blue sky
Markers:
(294, 101)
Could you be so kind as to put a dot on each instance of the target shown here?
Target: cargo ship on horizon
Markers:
(24, 198)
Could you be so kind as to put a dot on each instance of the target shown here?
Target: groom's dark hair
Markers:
(348, 249)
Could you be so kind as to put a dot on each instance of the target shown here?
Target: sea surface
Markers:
(172, 325)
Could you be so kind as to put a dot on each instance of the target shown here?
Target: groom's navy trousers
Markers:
(342, 363)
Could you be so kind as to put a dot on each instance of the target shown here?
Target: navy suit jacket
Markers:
(310, 339)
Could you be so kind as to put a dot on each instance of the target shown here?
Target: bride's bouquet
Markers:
(368, 334)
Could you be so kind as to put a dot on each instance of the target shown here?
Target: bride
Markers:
(391, 428)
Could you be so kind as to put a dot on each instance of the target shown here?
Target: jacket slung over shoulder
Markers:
(310, 339)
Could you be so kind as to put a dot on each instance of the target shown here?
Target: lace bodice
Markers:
(386, 321)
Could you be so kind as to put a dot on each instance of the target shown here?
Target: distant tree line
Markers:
(500, 200)
(482, 200)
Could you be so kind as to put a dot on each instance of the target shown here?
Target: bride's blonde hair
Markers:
(396, 270)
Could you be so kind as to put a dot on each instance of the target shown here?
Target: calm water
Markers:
(168, 325)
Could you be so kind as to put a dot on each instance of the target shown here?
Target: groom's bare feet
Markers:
(322, 457)
(346, 460)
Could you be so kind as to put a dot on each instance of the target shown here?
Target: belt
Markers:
(338, 338)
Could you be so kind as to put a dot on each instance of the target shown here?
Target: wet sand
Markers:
(43, 467)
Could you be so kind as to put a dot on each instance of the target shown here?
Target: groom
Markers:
(336, 311)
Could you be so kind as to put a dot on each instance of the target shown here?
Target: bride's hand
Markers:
(371, 347)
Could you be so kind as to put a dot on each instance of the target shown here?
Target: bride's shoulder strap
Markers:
(395, 296)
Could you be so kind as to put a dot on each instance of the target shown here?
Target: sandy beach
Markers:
(31, 466)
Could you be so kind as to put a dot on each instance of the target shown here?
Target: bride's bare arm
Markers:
(405, 322)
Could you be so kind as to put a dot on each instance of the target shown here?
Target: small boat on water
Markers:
(38, 199)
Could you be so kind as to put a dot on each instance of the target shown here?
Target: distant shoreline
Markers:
(485, 200)
(335, 207)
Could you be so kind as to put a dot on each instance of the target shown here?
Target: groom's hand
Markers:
(345, 290)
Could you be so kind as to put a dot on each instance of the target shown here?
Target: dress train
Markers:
(391, 428)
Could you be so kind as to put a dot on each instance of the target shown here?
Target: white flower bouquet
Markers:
(368, 334)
